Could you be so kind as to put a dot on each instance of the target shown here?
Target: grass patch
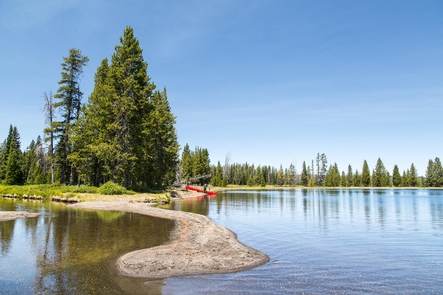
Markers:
(107, 193)
(111, 188)
(46, 191)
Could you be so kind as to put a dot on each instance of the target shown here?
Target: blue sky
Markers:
(270, 82)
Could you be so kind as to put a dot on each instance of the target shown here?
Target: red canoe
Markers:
(209, 193)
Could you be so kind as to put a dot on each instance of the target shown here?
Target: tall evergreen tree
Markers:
(186, 163)
(129, 89)
(6, 148)
(69, 105)
(127, 131)
(365, 175)
(434, 173)
(332, 178)
(413, 177)
(396, 177)
(304, 175)
(322, 168)
(291, 175)
(380, 177)
(162, 150)
(343, 180)
(280, 176)
(356, 180)
(14, 172)
(350, 177)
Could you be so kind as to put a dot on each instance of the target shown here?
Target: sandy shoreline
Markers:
(12, 215)
(197, 246)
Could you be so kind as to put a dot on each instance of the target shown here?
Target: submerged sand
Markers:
(12, 215)
(197, 246)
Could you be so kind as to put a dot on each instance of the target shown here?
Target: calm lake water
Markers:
(319, 242)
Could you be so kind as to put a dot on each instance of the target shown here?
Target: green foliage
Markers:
(69, 104)
(434, 173)
(304, 175)
(46, 190)
(365, 175)
(380, 176)
(126, 131)
(111, 188)
(356, 179)
(332, 178)
(396, 177)
(290, 175)
(343, 180)
(13, 169)
(195, 166)
(280, 176)
(350, 177)
(322, 168)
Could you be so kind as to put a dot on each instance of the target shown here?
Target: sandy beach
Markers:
(197, 246)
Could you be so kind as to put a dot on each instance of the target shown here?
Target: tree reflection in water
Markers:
(75, 250)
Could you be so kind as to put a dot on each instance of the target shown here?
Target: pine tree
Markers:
(343, 180)
(6, 147)
(434, 173)
(396, 177)
(14, 172)
(350, 177)
(304, 175)
(280, 176)
(356, 179)
(365, 175)
(93, 152)
(69, 105)
(332, 178)
(291, 175)
(322, 168)
(162, 149)
(413, 177)
(429, 175)
(405, 179)
(129, 89)
(379, 176)
(438, 172)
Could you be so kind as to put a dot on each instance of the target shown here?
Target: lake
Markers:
(320, 241)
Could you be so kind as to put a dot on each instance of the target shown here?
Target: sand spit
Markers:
(12, 215)
(197, 246)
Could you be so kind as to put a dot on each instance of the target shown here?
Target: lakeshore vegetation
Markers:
(124, 137)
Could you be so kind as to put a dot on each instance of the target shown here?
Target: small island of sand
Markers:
(197, 246)
(12, 215)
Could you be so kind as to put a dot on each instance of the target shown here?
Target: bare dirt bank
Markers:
(198, 246)
(12, 215)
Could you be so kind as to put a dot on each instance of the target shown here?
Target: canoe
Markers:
(209, 193)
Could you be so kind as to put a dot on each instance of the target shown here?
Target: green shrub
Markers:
(111, 188)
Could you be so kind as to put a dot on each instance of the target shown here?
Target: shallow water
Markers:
(72, 251)
(319, 242)
(328, 242)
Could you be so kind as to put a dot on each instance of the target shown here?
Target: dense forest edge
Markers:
(123, 141)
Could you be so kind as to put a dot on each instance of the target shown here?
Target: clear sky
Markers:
(270, 82)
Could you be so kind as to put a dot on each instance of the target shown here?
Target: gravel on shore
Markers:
(197, 246)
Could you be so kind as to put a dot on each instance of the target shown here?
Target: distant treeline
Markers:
(320, 174)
